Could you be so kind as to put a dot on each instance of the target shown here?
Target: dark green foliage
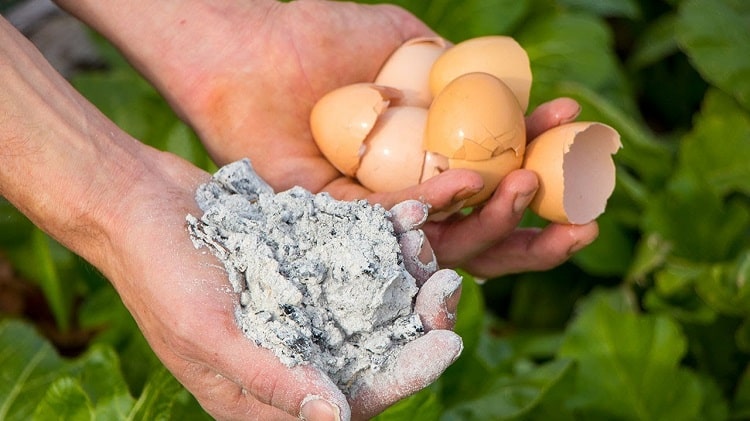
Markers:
(652, 322)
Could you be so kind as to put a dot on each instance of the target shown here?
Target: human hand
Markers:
(249, 89)
(486, 243)
(189, 318)
(122, 206)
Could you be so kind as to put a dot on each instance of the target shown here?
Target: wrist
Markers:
(62, 163)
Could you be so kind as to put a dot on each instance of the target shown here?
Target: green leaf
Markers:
(501, 354)
(628, 364)
(423, 405)
(717, 150)
(515, 397)
(34, 380)
(573, 48)
(697, 223)
(458, 21)
(726, 287)
(65, 400)
(460, 379)
(58, 296)
(28, 365)
(715, 35)
(544, 302)
(104, 311)
(651, 253)
(650, 158)
(470, 313)
(155, 403)
(101, 378)
(611, 253)
(655, 43)
(743, 336)
(611, 8)
(673, 293)
(15, 228)
(741, 402)
(54, 268)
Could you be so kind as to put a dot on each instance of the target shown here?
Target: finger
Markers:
(224, 399)
(458, 240)
(437, 300)
(418, 256)
(551, 114)
(408, 215)
(533, 249)
(268, 386)
(440, 192)
(418, 364)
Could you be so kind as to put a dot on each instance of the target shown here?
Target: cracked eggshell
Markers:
(476, 117)
(500, 56)
(393, 157)
(408, 69)
(575, 169)
(492, 170)
(341, 120)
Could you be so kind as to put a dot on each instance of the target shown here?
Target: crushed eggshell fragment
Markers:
(342, 119)
(575, 169)
(394, 155)
(500, 56)
(475, 117)
(408, 69)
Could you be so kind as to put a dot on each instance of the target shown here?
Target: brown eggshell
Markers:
(393, 155)
(434, 164)
(475, 118)
(575, 169)
(341, 120)
(500, 56)
(408, 69)
(492, 170)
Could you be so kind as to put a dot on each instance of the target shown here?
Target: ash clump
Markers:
(320, 281)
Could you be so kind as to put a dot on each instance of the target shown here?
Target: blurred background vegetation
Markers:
(651, 322)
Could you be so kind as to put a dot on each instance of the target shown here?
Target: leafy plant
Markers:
(651, 322)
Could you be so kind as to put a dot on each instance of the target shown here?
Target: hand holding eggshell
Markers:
(438, 107)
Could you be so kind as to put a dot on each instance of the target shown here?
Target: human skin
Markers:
(245, 76)
(121, 205)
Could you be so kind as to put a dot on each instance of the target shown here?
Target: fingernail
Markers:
(452, 297)
(522, 200)
(465, 194)
(426, 255)
(575, 114)
(576, 247)
(315, 408)
(408, 215)
(419, 258)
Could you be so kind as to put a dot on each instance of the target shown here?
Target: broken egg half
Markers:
(575, 169)
(436, 106)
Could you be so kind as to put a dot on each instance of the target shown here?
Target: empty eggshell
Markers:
(341, 120)
(393, 155)
(575, 169)
(434, 164)
(474, 118)
(408, 69)
(500, 56)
